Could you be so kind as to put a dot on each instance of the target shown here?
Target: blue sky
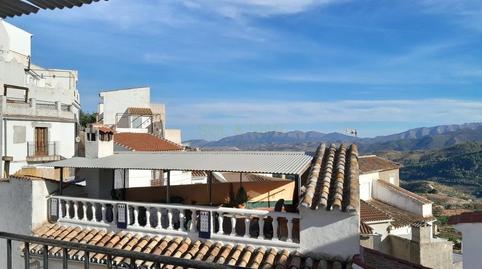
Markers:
(225, 67)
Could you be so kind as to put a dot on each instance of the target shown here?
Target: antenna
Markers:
(352, 132)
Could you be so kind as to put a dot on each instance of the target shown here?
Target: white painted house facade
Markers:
(39, 107)
(131, 111)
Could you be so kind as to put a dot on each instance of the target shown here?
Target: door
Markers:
(41, 141)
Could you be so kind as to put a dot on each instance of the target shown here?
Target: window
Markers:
(91, 136)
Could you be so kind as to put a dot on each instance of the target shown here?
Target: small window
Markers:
(91, 136)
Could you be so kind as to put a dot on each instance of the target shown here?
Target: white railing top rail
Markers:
(183, 207)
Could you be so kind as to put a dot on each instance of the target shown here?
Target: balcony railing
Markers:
(30, 241)
(259, 227)
(47, 149)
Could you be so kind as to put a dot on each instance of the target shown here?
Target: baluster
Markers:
(84, 210)
(290, 229)
(76, 214)
(136, 216)
(169, 219)
(67, 210)
(233, 225)
(246, 226)
(193, 221)
(220, 223)
(261, 227)
(103, 213)
(159, 218)
(181, 220)
(275, 228)
(148, 217)
(94, 212)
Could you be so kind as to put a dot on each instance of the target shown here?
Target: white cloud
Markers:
(241, 8)
(467, 13)
(323, 113)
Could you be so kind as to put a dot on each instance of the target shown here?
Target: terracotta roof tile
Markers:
(466, 217)
(333, 179)
(369, 213)
(243, 256)
(365, 228)
(144, 142)
(399, 216)
(139, 111)
(371, 163)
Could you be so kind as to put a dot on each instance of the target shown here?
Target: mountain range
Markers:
(414, 139)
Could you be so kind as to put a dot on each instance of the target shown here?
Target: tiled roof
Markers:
(369, 213)
(139, 111)
(405, 192)
(105, 130)
(243, 256)
(333, 179)
(401, 218)
(466, 217)
(373, 163)
(144, 142)
(365, 229)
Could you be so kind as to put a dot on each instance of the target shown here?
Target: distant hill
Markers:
(459, 165)
(415, 139)
(269, 140)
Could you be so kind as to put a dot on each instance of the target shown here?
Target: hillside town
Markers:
(124, 191)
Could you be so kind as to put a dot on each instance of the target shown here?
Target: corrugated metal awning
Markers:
(11, 8)
(291, 163)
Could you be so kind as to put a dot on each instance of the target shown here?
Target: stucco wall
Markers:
(436, 254)
(390, 176)
(23, 208)
(62, 133)
(330, 233)
(118, 101)
(471, 244)
(400, 200)
(366, 185)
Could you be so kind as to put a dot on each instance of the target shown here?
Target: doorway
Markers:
(41, 141)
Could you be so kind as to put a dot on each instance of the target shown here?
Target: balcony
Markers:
(256, 227)
(45, 152)
(10, 106)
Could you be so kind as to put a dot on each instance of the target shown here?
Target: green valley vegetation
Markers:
(459, 166)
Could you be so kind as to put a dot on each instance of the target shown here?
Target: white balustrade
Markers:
(187, 217)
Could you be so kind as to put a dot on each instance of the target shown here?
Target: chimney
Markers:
(99, 142)
(422, 233)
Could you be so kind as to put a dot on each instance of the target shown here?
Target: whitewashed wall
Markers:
(401, 200)
(331, 233)
(471, 244)
(118, 101)
(63, 133)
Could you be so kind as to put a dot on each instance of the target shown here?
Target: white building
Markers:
(396, 221)
(39, 107)
(470, 225)
(131, 111)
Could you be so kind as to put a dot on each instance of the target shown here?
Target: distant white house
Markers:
(130, 110)
(39, 107)
(396, 221)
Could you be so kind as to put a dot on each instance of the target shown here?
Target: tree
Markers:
(86, 118)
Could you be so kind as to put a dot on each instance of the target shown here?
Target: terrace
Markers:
(206, 211)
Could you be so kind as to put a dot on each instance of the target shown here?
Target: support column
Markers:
(61, 180)
(168, 187)
(210, 185)
(297, 193)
